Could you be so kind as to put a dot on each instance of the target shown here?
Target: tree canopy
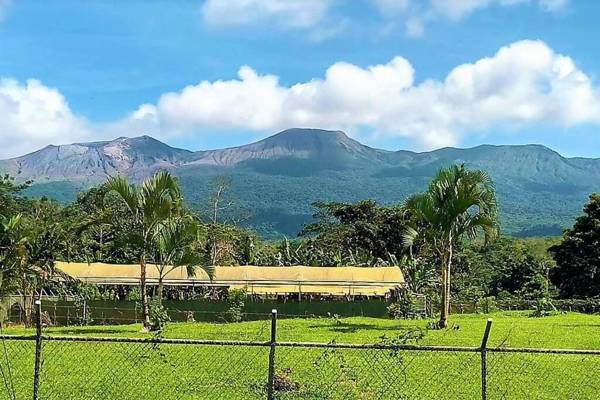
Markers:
(577, 271)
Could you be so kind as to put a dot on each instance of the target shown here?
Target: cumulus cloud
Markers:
(415, 14)
(33, 115)
(523, 84)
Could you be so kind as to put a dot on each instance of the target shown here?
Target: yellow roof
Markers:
(374, 281)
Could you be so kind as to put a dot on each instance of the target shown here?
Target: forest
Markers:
(447, 240)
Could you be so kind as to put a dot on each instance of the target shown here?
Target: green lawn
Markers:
(512, 329)
(78, 370)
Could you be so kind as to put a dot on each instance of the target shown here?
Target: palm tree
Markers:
(13, 246)
(175, 247)
(156, 200)
(457, 203)
(27, 249)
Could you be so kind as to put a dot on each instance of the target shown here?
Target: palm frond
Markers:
(127, 192)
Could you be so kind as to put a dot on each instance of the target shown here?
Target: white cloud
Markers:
(324, 19)
(553, 5)
(33, 115)
(414, 14)
(296, 14)
(523, 85)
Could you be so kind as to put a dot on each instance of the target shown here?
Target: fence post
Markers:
(271, 383)
(38, 349)
(484, 341)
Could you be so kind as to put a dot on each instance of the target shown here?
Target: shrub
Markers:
(159, 316)
(405, 307)
(134, 294)
(486, 305)
(236, 301)
(543, 307)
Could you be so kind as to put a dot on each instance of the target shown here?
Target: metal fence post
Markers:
(38, 349)
(271, 383)
(484, 341)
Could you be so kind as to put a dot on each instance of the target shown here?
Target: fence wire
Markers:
(540, 374)
(152, 369)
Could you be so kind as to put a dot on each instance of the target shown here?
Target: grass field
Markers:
(513, 329)
(83, 370)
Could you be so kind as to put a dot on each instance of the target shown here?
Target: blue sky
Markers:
(398, 74)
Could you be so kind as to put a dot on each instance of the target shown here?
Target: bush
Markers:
(159, 316)
(543, 308)
(237, 301)
(486, 305)
(88, 291)
(405, 307)
(134, 294)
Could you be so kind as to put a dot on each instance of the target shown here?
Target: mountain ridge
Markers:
(276, 179)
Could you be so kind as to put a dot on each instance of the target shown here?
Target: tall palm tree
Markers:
(458, 203)
(156, 200)
(175, 247)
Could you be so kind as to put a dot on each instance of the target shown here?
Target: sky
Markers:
(394, 74)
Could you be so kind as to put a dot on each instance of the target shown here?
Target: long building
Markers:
(334, 281)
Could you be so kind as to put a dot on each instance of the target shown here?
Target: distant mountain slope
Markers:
(276, 180)
(94, 162)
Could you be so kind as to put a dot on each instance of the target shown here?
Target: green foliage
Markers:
(150, 204)
(419, 273)
(236, 298)
(359, 229)
(578, 255)
(133, 294)
(88, 291)
(175, 245)
(543, 308)
(159, 315)
(458, 203)
(486, 305)
(505, 267)
(405, 307)
(100, 228)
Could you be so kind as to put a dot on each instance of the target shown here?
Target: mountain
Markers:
(94, 162)
(275, 180)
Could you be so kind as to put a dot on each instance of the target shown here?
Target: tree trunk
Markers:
(446, 267)
(144, 294)
(160, 289)
(28, 294)
(443, 322)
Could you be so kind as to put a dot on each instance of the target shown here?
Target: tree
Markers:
(100, 228)
(577, 271)
(218, 203)
(506, 267)
(458, 203)
(10, 196)
(360, 228)
(28, 245)
(12, 243)
(177, 246)
(155, 201)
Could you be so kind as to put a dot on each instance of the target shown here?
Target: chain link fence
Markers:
(151, 369)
